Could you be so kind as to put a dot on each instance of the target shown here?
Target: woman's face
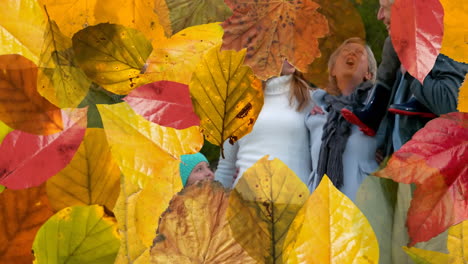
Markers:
(352, 62)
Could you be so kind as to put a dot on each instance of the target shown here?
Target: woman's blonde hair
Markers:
(332, 87)
(299, 91)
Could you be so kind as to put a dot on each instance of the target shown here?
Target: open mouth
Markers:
(350, 61)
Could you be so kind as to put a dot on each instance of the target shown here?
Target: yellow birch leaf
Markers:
(226, 95)
(137, 212)
(92, 177)
(21, 28)
(59, 78)
(454, 42)
(175, 58)
(72, 15)
(330, 229)
(463, 96)
(262, 207)
(422, 256)
(146, 152)
(112, 56)
(194, 229)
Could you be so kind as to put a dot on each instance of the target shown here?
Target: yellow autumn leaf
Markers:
(226, 95)
(92, 177)
(132, 249)
(457, 245)
(175, 58)
(21, 28)
(146, 152)
(194, 229)
(137, 212)
(262, 206)
(72, 16)
(454, 42)
(463, 96)
(330, 229)
(59, 79)
(422, 256)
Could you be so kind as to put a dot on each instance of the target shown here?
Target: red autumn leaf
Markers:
(435, 160)
(165, 103)
(28, 160)
(417, 28)
(23, 213)
(274, 30)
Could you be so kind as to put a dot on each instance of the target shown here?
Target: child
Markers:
(194, 167)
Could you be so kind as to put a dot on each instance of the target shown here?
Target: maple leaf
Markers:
(274, 30)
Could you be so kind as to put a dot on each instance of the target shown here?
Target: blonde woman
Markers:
(337, 147)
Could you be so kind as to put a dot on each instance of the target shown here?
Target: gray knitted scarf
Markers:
(336, 132)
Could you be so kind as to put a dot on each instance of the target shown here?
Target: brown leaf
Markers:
(22, 214)
(194, 229)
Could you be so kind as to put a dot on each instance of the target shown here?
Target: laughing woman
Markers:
(338, 148)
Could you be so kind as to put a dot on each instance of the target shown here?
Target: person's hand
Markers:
(316, 110)
(390, 65)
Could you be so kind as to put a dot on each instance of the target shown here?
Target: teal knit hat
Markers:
(188, 162)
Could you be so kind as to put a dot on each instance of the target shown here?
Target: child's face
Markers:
(200, 172)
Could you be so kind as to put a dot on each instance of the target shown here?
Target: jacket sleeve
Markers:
(227, 166)
(440, 89)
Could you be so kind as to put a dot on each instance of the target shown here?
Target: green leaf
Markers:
(97, 95)
(2, 188)
(79, 234)
(112, 55)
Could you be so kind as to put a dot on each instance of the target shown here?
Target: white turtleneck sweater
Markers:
(279, 131)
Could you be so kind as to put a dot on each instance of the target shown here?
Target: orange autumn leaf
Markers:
(21, 106)
(273, 31)
(435, 160)
(23, 212)
(194, 229)
(454, 42)
(463, 96)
